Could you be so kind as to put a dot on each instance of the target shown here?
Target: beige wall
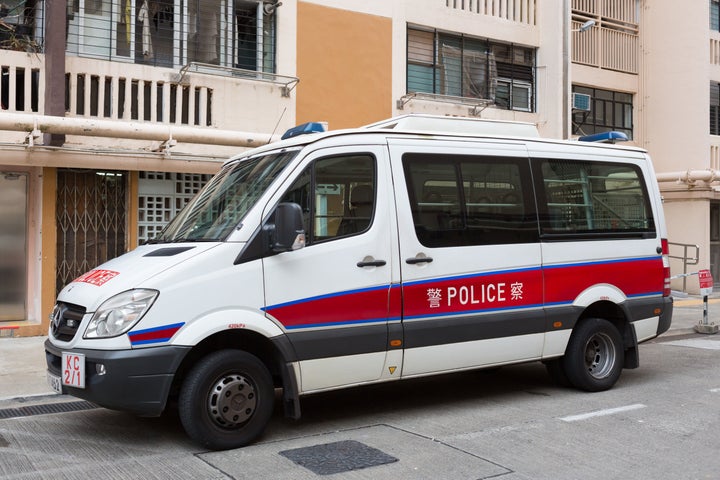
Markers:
(675, 82)
(673, 116)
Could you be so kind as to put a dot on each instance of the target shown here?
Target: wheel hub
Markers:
(599, 355)
(232, 401)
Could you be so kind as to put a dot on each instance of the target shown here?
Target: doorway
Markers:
(91, 221)
(13, 246)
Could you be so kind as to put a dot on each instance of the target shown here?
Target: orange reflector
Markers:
(657, 311)
(395, 343)
(557, 324)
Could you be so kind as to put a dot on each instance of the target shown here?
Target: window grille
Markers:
(461, 66)
(173, 33)
(161, 196)
(21, 26)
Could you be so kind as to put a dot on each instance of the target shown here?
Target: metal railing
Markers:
(607, 48)
(686, 258)
(520, 11)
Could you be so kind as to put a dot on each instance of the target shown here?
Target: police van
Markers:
(412, 247)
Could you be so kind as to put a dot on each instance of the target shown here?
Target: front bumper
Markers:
(136, 381)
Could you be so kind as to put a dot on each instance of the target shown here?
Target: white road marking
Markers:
(715, 390)
(602, 413)
(704, 343)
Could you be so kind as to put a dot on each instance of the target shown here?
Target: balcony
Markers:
(113, 73)
(613, 43)
(519, 11)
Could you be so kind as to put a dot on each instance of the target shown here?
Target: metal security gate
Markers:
(91, 221)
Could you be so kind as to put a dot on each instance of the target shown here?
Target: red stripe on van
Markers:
(632, 277)
(346, 308)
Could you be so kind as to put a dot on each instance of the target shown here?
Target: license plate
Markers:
(54, 382)
(73, 369)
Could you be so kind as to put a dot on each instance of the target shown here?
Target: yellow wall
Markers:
(344, 62)
(49, 250)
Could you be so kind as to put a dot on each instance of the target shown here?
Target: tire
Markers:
(594, 357)
(226, 400)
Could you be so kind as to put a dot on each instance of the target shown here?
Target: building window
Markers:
(714, 15)
(715, 108)
(461, 66)
(20, 26)
(173, 33)
(609, 111)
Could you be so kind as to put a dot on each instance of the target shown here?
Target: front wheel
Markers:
(594, 357)
(226, 400)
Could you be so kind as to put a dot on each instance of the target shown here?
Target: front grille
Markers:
(65, 321)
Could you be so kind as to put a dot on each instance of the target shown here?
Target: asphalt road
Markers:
(661, 421)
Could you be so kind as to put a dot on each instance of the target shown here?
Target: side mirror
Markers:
(288, 233)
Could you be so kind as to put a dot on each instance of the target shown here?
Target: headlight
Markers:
(120, 313)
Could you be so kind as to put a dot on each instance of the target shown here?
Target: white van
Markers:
(416, 246)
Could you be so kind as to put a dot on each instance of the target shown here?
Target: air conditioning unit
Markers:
(581, 101)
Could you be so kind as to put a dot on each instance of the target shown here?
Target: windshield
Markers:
(220, 206)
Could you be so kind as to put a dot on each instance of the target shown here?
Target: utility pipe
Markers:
(690, 176)
(37, 124)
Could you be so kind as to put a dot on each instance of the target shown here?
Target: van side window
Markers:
(468, 200)
(590, 198)
(337, 196)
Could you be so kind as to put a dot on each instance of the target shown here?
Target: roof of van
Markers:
(423, 124)
(456, 125)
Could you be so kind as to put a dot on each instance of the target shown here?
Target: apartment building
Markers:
(115, 112)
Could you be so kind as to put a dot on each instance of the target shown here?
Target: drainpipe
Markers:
(565, 116)
(54, 49)
(690, 176)
(34, 124)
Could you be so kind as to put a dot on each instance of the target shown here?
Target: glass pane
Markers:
(521, 97)
(344, 195)
(420, 46)
(13, 241)
(591, 197)
(420, 79)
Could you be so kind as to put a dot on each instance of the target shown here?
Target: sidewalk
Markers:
(22, 359)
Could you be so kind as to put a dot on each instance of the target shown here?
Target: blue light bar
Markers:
(305, 128)
(605, 137)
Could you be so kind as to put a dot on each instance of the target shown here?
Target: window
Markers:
(714, 15)
(462, 200)
(714, 108)
(173, 33)
(609, 111)
(598, 198)
(462, 66)
(337, 196)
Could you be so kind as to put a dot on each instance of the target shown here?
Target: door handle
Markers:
(372, 263)
(416, 260)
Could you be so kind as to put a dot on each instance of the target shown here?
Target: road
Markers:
(660, 421)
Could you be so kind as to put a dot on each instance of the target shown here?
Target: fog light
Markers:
(100, 369)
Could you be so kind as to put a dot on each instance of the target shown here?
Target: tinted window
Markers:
(337, 195)
(463, 200)
(598, 198)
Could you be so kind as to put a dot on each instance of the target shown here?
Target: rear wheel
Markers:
(226, 400)
(594, 357)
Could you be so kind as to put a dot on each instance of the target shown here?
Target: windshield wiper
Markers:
(193, 240)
